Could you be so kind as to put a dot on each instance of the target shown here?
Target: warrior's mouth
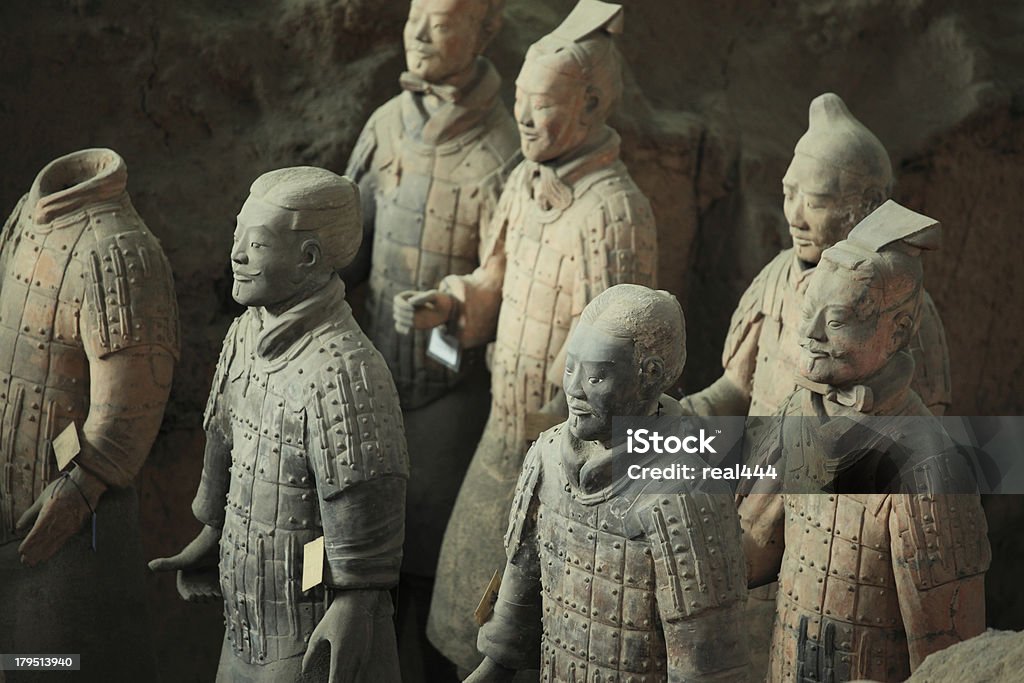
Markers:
(240, 276)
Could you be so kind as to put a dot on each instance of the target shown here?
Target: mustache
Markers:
(811, 346)
(423, 49)
(246, 273)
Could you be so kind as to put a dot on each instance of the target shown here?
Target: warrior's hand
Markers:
(422, 310)
(490, 671)
(346, 629)
(58, 514)
(196, 564)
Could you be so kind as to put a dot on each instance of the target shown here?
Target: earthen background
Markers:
(202, 97)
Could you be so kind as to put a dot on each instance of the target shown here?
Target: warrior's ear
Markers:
(312, 253)
(903, 328)
(652, 371)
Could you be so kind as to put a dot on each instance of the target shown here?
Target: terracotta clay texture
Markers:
(570, 223)
(430, 164)
(609, 577)
(304, 440)
(870, 583)
(839, 174)
(88, 341)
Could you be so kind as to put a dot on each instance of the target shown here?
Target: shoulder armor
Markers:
(620, 238)
(359, 434)
(130, 291)
(8, 232)
(942, 537)
(220, 375)
(931, 359)
(362, 153)
(519, 517)
(695, 543)
(760, 299)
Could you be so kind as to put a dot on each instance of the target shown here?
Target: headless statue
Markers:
(88, 341)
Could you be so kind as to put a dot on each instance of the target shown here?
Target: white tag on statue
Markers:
(66, 446)
(313, 564)
(445, 349)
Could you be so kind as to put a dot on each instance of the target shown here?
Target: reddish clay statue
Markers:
(839, 174)
(88, 340)
(609, 578)
(304, 442)
(570, 223)
(871, 581)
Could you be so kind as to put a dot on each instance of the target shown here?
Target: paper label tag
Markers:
(313, 564)
(66, 446)
(445, 349)
(485, 609)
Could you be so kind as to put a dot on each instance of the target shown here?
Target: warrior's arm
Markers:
(511, 637)
(730, 393)
(360, 170)
(364, 526)
(701, 607)
(478, 294)
(940, 552)
(127, 394)
(763, 518)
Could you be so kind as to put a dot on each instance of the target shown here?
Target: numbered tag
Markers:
(485, 609)
(445, 349)
(313, 564)
(66, 446)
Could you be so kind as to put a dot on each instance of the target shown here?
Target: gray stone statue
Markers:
(611, 577)
(431, 163)
(304, 442)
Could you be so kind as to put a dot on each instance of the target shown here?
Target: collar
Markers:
(884, 393)
(800, 273)
(551, 182)
(280, 333)
(71, 182)
(461, 109)
(594, 478)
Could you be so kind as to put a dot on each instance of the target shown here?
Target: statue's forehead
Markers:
(541, 76)
(593, 344)
(443, 6)
(256, 212)
(812, 175)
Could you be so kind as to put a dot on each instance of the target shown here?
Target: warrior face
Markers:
(443, 37)
(819, 215)
(602, 380)
(271, 263)
(554, 113)
(843, 336)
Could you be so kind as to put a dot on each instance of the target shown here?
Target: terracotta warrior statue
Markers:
(839, 174)
(612, 578)
(430, 164)
(570, 223)
(872, 578)
(88, 341)
(304, 447)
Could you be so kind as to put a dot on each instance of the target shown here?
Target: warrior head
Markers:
(569, 82)
(863, 304)
(443, 38)
(839, 174)
(298, 226)
(628, 347)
